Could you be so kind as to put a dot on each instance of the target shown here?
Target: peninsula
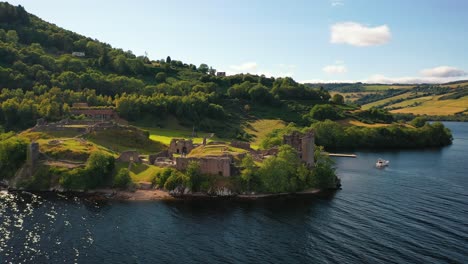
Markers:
(77, 114)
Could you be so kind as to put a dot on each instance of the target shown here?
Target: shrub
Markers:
(175, 180)
(122, 180)
(12, 155)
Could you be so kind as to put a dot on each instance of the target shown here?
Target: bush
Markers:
(13, 151)
(161, 177)
(175, 180)
(325, 111)
(122, 180)
(98, 172)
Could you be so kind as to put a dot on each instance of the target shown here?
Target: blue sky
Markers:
(322, 40)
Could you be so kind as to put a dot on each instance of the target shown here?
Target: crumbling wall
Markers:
(128, 156)
(163, 154)
(304, 145)
(241, 145)
(180, 146)
(208, 165)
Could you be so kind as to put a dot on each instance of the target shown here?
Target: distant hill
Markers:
(421, 99)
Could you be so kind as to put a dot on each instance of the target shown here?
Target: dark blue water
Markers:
(415, 211)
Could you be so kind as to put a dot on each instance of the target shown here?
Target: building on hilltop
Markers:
(304, 145)
(221, 74)
(78, 54)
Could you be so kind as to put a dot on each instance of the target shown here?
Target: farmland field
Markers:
(437, 107)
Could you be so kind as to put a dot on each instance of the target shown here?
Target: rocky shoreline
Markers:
(158, 195)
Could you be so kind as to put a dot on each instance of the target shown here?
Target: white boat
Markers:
(382, 163)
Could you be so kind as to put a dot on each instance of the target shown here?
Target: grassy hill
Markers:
(446, 99)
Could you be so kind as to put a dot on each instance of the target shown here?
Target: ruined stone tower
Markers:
(304, 145)
(33, 154)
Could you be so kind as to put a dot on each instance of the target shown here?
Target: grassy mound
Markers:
(215, 150)
(122, 139)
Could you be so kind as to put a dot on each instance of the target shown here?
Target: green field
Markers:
(260, 128)
(386, 100)
(382, 87)
(455, 85)
(215, 150)
(437, 107)
(120, 140)
(409, 102)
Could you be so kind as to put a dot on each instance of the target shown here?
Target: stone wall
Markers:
(208, 165)
(128, 156)
(180, 146)
(163, 154)
(241, 145)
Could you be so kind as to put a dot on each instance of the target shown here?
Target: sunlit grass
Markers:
(261, 128)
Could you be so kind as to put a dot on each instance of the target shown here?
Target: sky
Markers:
(394, 41)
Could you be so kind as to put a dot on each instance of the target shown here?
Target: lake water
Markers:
(415, 211)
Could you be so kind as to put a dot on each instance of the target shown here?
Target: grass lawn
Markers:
(139, 171)
(120, 140)
(165, 135)
(261, 128)
(172, 129)
(70, 149)
(215, 150)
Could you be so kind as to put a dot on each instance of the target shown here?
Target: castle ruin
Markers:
(180, 146)
(304, 145)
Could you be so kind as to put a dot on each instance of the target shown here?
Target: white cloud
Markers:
(335, 69)
(380, 78)
(248, 67)
(336, 3)
(278, 70)
(356, 34)
(444, 72)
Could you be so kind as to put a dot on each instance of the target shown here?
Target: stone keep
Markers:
(304, 145)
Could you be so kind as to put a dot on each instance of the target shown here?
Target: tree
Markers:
(12, 36)
(325, 111)
(122, 180)
(212, 71)
(248, 172)
(419, 121)
(338, 99)
(168, 59)
(98, 168)
(161, 77)
(279, 174)
(323, 175)
(194, 176)
(203, 68)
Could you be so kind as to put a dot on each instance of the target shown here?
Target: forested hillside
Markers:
(41, 78)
